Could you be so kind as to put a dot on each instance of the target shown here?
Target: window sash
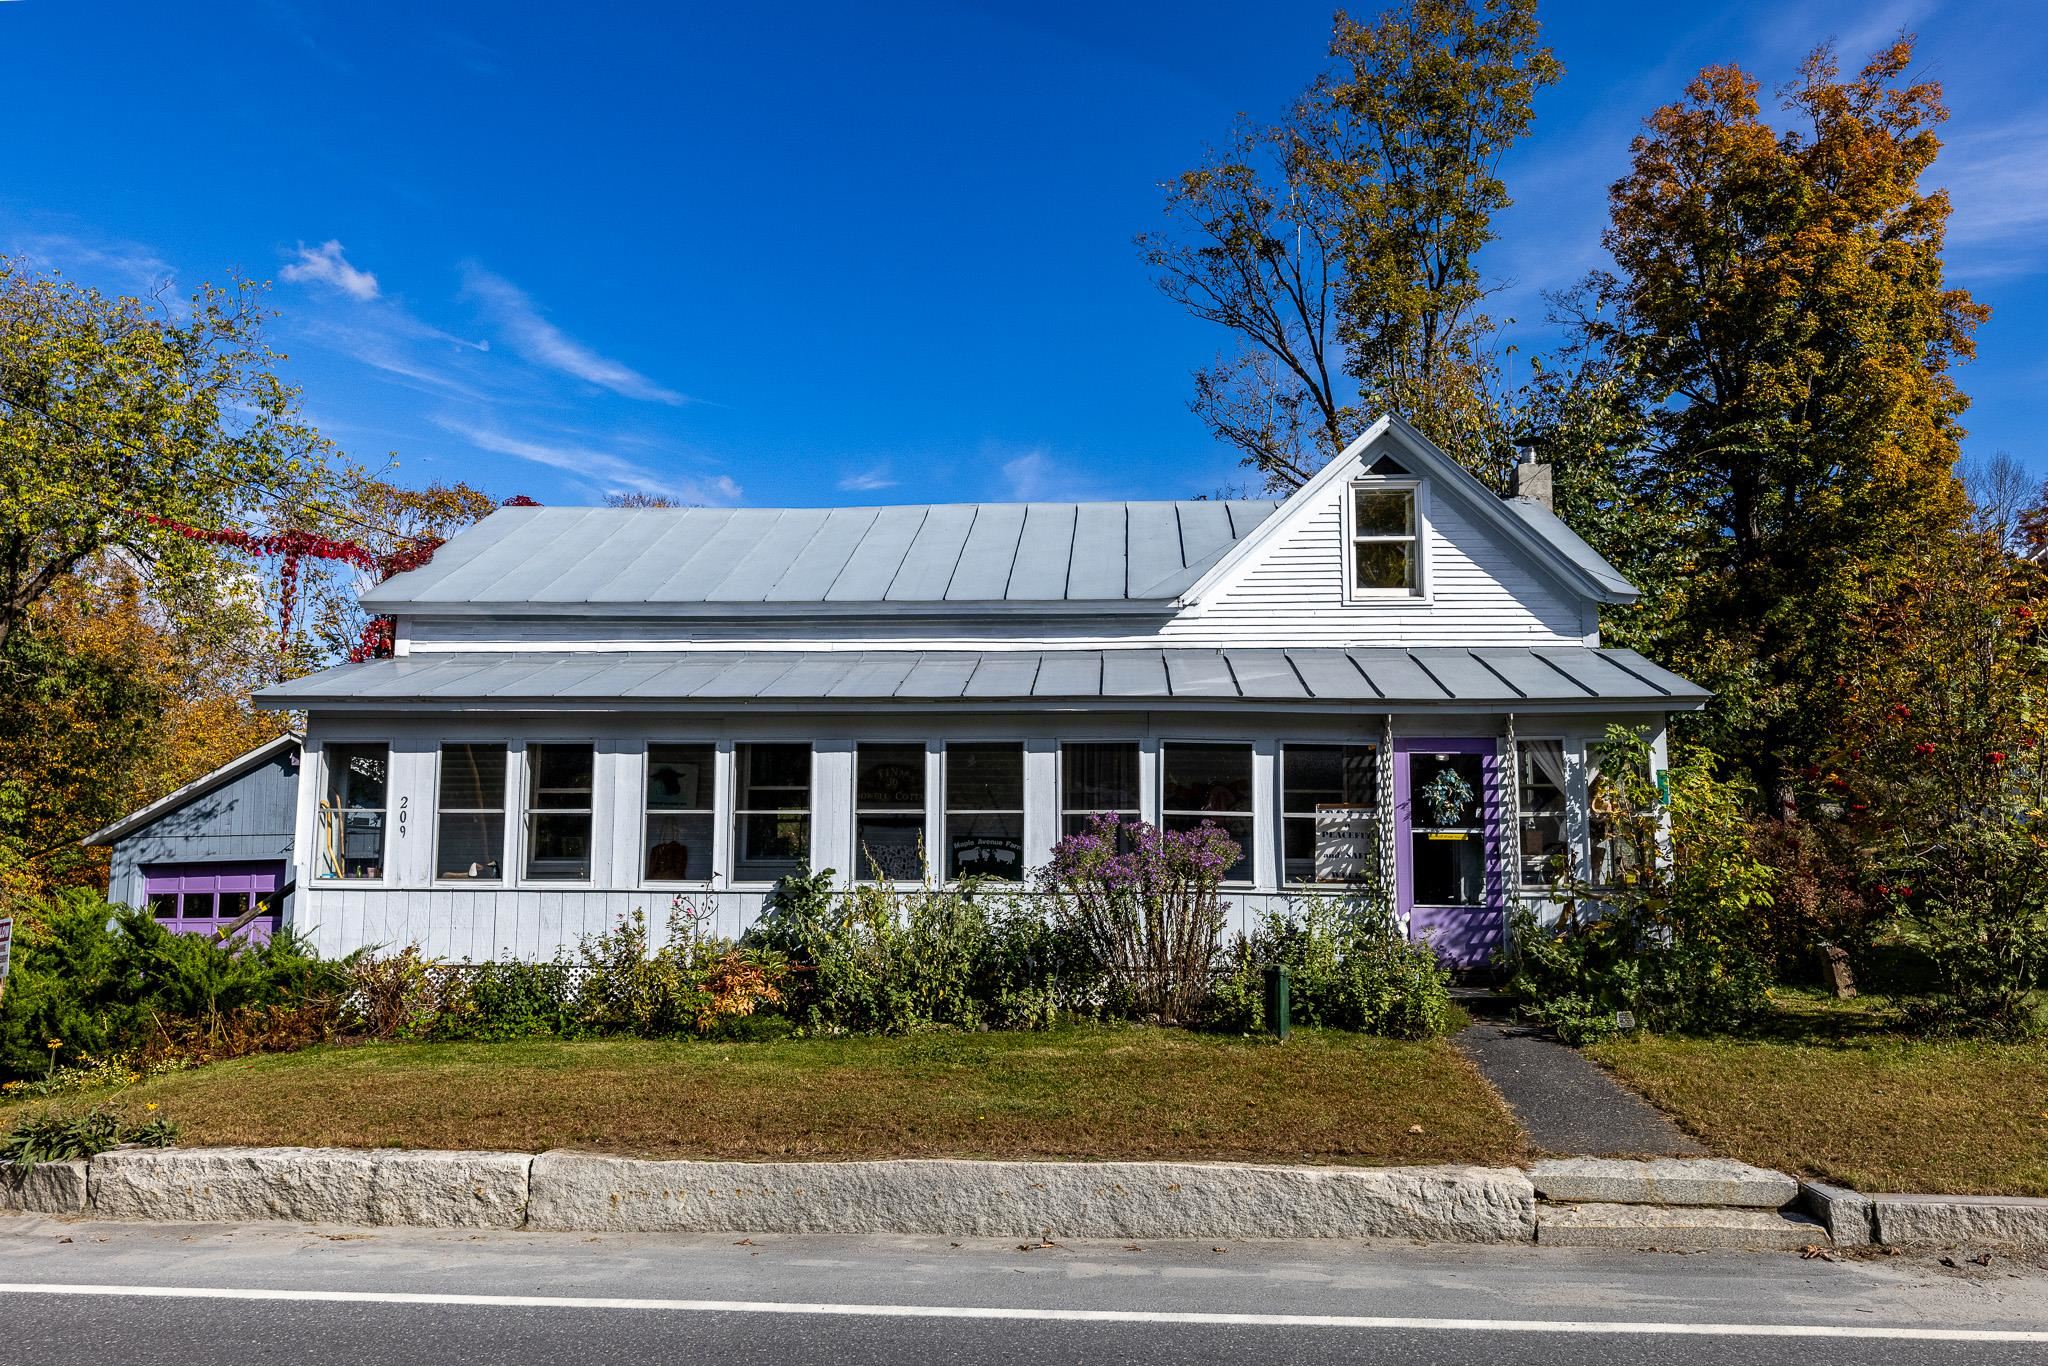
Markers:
(1302, 805)
(1074, 756)
(999, 827)
(351, 834)
(751, 819)
(675, 831)
(1410, 539)
(481, 826)
(554, 822)
(1239, 822)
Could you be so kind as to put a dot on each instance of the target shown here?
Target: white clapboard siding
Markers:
(499, 925)
(1481, 594)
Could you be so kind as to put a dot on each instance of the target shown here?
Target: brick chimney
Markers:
(1532, 477)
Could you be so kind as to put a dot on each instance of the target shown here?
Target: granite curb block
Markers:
(1706, 1181)
(575, 1191)
(426, 1189)
(2016, 1223)
(45, 1188)
(1674, 1228)
(1847, 1215)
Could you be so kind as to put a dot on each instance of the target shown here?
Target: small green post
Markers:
(1277, 1022)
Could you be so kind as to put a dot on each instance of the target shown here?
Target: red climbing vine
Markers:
(290, 548)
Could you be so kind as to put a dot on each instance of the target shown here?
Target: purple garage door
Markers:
(196, 898)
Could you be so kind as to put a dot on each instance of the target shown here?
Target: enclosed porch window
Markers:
(772, 810)
(676, 844)
(888, 817)
(985, 811)
(1329, 821)
(1210, 783)
(560, 783)
(352, 802)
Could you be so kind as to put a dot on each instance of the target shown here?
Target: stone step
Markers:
(1705, 1181)
(1661, 1228)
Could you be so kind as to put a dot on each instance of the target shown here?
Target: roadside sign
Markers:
(6, 947)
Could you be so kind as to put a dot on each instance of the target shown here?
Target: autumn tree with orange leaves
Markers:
(1780, 306)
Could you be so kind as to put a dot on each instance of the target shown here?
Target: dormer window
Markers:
(1385, 525)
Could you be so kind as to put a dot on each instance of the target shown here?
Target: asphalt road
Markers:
(97, 1292)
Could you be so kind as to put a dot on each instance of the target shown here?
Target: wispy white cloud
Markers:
(1030, 476)
(327, 264)
(1994, 180)
(541, 342)
(868, 480)
(109, 264)
(606, 470)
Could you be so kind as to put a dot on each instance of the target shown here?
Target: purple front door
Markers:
(203, 898)
(1447, 827)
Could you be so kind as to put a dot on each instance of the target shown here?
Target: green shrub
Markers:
(514, 1000)
(1347, 968)
(1677, 939)
(690, 985)
(103, 981)
(882, 958)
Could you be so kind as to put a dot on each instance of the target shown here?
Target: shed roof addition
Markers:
(1540, 678)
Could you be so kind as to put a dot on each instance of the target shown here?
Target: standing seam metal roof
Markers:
(949, 552)
(1508, 677)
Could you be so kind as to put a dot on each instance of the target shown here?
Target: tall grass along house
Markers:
(1383, 687)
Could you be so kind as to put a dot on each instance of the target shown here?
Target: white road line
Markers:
(939, 1311)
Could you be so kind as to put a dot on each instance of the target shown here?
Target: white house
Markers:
(1388, 679)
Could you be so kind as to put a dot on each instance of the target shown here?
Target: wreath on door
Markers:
(1447, 795)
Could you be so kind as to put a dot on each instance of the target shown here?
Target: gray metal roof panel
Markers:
(751, 575)
(1096, 570)
(1134, 673)
(1331, 675)
(729, 540)
(938, 676)
(1602, 677)
(1069, 673)
(1553, 529)
(1009, 673)
(1265, 673)
(1462, 675)
(872, 566)
(1045, 546)
(934, 554)
(1528, 675)
(982, 573)
(875, 675)
(1199, 673)
(1152, 545)
(811, 574)
(1394, 673)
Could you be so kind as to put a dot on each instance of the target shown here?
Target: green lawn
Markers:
(1321, 1097)
(1831, 1091)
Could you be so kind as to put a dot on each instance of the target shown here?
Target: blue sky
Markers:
(809, 255)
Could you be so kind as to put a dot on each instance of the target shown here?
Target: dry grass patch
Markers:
(1834, 1094)
(1081, 1094)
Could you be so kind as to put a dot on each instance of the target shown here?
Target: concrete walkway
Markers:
(1569, 1106)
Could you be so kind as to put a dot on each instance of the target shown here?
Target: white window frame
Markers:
(386, 828)
(857, 859)
(647, 813)
(526, 809)
(1571, 842)
(505, 805)
(1255, 815)
(734, 811)
(1418, 489)
(945, 808)
(1281, 815)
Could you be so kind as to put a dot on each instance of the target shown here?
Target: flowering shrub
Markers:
(1145, 903)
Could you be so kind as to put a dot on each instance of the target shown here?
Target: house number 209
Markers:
(403, 804)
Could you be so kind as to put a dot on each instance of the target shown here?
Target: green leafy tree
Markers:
(114, 411)
(1939, 768)
(1780, 303)
(1339, 247)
